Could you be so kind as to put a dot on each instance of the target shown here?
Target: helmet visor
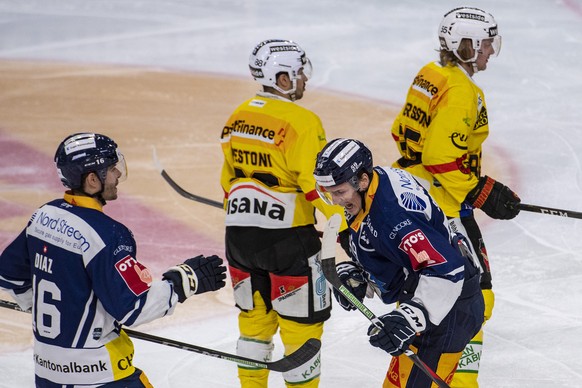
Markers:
(121, 166)
(496, 44)
(307, 68)
(324, 194)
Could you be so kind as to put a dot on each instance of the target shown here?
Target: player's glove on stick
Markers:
(352, 277)
(494, 198)
(196, 276)
(400, 328)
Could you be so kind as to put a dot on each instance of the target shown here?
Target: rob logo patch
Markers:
(137, 277)
(421, 252)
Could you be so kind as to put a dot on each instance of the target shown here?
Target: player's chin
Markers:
(111, 195)
(351, 209)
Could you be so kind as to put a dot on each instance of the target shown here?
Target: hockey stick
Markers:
(302, 355)
(179, 189)
(549, 210)
(328, 246)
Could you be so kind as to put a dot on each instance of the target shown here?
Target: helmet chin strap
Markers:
(474, 67)
(290, 92)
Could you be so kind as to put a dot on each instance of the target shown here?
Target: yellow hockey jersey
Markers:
(439, 133)
(270, 145)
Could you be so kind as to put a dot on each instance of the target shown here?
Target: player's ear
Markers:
(364, 182)
(91, 183)
(284, 82)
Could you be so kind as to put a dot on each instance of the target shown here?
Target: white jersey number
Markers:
(47, 318)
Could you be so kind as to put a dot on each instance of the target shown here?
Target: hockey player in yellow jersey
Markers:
(439, 133)
(270, 145)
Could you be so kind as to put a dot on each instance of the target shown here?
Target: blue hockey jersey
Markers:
(76, 267)
(403, 241)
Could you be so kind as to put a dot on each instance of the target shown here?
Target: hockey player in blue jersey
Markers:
(402, 250)
(77, 270)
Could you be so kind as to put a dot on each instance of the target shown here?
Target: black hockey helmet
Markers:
(342, 160)
(82, 153)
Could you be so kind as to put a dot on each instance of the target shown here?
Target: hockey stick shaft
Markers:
(302, 355)
(179, 189)
(549, 210)
(328, 246)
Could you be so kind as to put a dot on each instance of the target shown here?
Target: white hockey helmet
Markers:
(275, 56)
(468, 23)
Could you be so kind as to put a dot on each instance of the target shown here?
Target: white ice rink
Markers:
(373, 49)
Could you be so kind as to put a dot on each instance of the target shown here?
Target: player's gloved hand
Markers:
(494, 198)
(196, 276)
(352, 277)
(400, 328)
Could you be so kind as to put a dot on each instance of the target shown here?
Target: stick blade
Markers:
(157, 162)
(299, 357)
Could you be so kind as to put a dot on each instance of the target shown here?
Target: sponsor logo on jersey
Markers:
(364, 237)
(256, 206)
(70, 367)
(251, 204)
(421, 252)
(412, 202)
(424, 86)
(482, 119)
(458, 139)
(97, 333)
(470, 358)
(62, 232)
(257, 103)
(398, 227)
(393, 374)
(127, 248)
(250, 131)
(135, 275)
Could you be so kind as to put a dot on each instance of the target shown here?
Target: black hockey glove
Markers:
(494, 198)
(352, 277)
(400, 328)
(196, 276)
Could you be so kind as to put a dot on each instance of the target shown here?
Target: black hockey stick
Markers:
(328, 246)
(179, 189)
(549, 210)
(302, 355)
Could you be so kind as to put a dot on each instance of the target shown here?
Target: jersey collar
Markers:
(83, 201)
(272, 96)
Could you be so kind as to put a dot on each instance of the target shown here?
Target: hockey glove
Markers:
(494, 198)
(352, 277)
(400, 328)
(196, 276)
